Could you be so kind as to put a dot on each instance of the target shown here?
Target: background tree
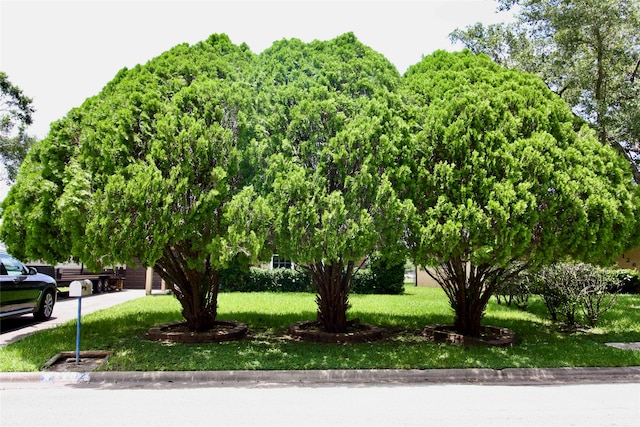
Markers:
(586, 51)
(502, 175)
(150, 170)
(16, 112)
(332, 143)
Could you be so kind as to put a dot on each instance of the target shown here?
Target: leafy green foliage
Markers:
(333, 142)
(586, 51)
(15, 116)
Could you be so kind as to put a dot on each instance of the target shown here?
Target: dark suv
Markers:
(23, 290)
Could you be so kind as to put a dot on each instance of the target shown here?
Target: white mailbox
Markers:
(80, 288)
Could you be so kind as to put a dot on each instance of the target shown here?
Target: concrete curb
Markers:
(191, 379)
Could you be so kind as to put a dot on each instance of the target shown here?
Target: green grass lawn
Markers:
(121, 330)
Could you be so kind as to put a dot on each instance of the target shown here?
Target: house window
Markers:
(280, 262)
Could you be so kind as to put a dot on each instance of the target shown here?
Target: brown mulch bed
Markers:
(177, 332)
(356, 332)
(491, 336)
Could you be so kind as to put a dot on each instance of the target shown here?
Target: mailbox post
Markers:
(79, 288)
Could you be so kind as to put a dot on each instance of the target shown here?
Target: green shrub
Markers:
(389, 276)
(361, 282)
(516, 289)
(383, 277)
(554, 284)
(236, 279)
(628, 281)
(568, 289)
(288, 280)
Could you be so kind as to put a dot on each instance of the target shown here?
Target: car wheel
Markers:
(46, 307)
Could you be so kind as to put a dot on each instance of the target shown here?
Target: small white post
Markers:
(148, 284)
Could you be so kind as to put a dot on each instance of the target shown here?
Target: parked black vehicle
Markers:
(23, 290)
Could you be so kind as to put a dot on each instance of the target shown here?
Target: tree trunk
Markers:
(469, 289)
(196, 289)
(468, 316)
(200, 304)
(332, 283)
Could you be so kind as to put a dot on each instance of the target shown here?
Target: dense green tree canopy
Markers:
(586, 51)
(15, 117)
(501, 174)
(333, 144)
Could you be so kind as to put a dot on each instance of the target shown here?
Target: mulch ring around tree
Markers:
(490, 336)
(356, 332)
(178, 332)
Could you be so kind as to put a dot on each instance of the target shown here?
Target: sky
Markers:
(62, 52)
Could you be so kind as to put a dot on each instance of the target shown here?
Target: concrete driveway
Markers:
(14, 329)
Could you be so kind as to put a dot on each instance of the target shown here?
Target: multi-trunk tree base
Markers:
(490, 336)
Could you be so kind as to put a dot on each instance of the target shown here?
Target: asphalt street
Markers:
(583, 405)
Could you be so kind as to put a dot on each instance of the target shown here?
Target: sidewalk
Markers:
(322, 378)
(67, 309)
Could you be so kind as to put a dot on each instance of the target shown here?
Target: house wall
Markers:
(136, 278)
(423, 279)
(630, 259)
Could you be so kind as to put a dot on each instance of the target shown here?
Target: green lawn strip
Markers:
(121, 330)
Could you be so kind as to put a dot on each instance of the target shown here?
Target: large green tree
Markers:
(151, 170)
(586, 51)
(503, 172)
(16, 114)
(332, 143)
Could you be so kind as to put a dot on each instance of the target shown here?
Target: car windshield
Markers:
(12, 266)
